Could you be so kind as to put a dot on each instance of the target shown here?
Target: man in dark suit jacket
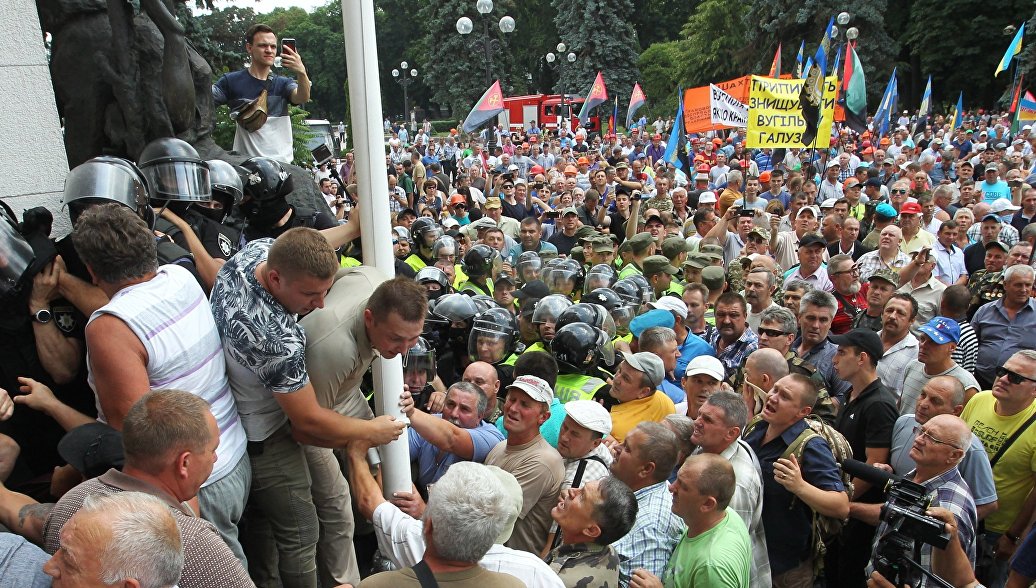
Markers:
(850, 243)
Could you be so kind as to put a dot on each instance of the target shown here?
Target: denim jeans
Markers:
(223, 502)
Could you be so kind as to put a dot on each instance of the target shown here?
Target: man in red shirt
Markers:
(845, 277)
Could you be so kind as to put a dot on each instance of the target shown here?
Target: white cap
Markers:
(812, 209)
(1027, 128)
(672, 304)
(701, 178)
(707, 198)
(1003, 205)
(829, 203)
(535, 387)
(708, 365)
(591, 415)
(513, 499)
(450, 223)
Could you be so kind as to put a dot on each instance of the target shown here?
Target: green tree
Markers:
(600, 34)
(659, 77)
(714, 49)
(453, 67)
(220, 35)
(657, 21)
(225, 129)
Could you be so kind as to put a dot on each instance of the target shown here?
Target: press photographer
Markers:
(904, 530)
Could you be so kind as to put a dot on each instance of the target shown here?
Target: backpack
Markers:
(825, 528)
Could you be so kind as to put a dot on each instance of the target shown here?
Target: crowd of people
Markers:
(618, 370)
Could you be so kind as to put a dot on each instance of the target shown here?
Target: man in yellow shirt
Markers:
(635, 389)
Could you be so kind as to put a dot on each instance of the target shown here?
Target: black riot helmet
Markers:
(419, 365)
(175, 171)
(578, 347)
(647, 293)
(528, 266)
(434, 280)
(591, 314)
(564, 277)
(481, 261)
(266, 186)
(227, 190)
(456, 308)
(16, 256)
(104, 180)
(424, 232)
(621, 311)
(493, 336)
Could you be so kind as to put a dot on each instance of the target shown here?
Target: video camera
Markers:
(904, 514)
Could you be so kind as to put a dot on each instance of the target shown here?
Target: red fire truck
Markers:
(546, 110)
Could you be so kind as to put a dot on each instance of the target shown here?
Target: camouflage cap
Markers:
(603, 244)
(890, 276)
(577, 254)
(585, 232)
(713, 278)
(640, 241)
(711, 250)
(763, 233)
(656, 264)
(698, 262)
(674, 246)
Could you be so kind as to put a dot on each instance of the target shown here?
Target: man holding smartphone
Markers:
(240, 89)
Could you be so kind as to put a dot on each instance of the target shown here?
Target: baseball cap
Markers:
(1003, 205)
(698, 262)
(571, 170)
(569, 210)
(810, 239)
(810, 209)
(622, 165)
(886, 211)
(764, 177)
(484, 223)
(651, 318)
(941, 330)
(707, 198)
(493, 203)
(851, 182)
(702, 168)
(603, 244)
(713, 277)
(672, 304)
(640, 241)
(450, 223)
(92, 449)
(910, 208)
(713, 251)
(873, 182)
(583, 161)
(505, 277)
(534, 289)
(763, 233)
(708, 365)
(886, 274)
(535, 387)
(648, 363)
(998, 243)
(863, 339)
(832, 163)
(829, 203)
(673, 246)
(591, 415)
(658, 264)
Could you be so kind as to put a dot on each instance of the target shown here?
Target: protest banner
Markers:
(775, 115)
(726, 110)
(697, 104)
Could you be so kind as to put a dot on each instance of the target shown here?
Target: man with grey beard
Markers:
(845, 277)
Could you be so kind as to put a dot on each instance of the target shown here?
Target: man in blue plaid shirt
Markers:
(938, 448)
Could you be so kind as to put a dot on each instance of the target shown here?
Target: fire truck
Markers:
(546, 110)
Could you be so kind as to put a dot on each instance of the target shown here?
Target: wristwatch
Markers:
(42, 316)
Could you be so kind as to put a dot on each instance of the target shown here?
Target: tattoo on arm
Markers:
(32, 518)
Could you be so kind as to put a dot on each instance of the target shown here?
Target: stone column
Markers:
(32, 151)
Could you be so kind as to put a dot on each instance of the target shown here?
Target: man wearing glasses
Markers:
(937, 450)
(845, 278)
(995, 416)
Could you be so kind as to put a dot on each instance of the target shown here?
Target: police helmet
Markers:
(175, 171)
(549, 308)
(578, 347)
(265, 181)
(493, 336)
(481, 261)
(602, 275)
(103, 180)
(434, 280)
(425, 231)
(565, 277)
(591, 314)
(528, 266)
(419, 365)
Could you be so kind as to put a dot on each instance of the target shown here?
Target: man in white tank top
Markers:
(157, 331)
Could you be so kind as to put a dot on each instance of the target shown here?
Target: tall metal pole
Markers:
(361, 56)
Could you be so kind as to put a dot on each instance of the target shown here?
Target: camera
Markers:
(907, 526)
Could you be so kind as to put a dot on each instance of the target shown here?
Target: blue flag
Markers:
(798, 60)
(676, 136)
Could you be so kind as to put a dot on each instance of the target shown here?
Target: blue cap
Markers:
(652, 318)
(885, 210)
(941, 330)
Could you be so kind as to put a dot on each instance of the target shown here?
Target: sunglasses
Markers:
(1012, 377)
(898, 191)
(930, 437)
(508, 187)
(771, 332)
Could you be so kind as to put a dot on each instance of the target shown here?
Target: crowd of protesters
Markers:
(620, 370)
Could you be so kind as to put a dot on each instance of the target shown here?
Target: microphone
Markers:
(877, 478)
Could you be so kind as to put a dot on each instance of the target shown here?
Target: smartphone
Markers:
(553, 214)
(288, 42)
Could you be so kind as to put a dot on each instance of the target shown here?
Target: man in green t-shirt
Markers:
(716, 551)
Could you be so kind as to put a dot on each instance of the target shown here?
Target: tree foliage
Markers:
(659, 77)
(714, 49)
(600, 34)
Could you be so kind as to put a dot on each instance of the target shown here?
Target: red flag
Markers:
(1017, 92)
(488, 106)
(775, 69)
(847, 71)
(637, 100)
(598, 95)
